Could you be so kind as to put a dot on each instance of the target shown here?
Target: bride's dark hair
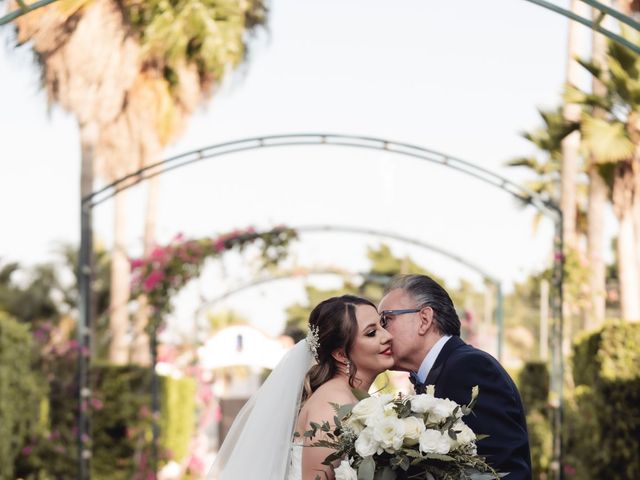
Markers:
(336, 323)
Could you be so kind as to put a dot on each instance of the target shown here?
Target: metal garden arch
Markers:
(545, 207)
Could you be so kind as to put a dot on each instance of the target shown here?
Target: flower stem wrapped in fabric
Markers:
(418, 437)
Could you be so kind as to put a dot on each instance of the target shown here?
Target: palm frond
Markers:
(606, 141)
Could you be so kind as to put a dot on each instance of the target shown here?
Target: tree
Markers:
(614, 143)
(132, 72)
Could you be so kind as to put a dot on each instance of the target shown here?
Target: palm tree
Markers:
(614, 143)
(132, 72)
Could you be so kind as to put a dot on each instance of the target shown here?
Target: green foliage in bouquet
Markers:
(401, 438)
(533, 383)
(603, 421)
(20, 394)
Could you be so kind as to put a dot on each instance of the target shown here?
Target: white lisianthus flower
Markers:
(413, 428)
(422, 403)
(366, 445)
(443, 408)
(368, 410)
(389, 410)
(346, 471)
(385, 398)
(464, 435)
(354, 424)
(389, 433)
(433, 441)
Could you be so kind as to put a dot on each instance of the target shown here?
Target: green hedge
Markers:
(121, 426)
(603, 416)
(533, 383)
(20, 393)
(178, 418)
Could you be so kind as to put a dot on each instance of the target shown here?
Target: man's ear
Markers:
(426, 320)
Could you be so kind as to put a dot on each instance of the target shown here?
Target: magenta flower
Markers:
(152, 280)
(26, 451)
(136, 263)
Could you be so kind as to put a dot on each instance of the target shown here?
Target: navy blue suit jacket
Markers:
(498, 411)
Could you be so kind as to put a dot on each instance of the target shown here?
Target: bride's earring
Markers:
(348, 367)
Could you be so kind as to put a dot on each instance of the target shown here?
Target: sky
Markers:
(463, 78)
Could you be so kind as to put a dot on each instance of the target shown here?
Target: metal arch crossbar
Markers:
(23, 8)
(546, 207)
(596, 24)
(603, 10)
(499, 312)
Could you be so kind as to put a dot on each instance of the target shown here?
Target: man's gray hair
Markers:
(427, 292)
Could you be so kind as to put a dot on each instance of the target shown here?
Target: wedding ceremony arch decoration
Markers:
(546, 207)
(169, 268)
(594, 24)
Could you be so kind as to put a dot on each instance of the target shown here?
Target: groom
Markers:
(420, 315)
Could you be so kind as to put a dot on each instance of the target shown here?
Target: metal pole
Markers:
(500, 320)
(155, 399)
(557, 361)
(84, 341)
(544, 320)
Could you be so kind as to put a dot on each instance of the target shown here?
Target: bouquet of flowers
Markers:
(406, 437)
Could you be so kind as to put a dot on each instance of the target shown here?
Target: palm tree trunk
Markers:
(120, 281)
(571, 143)
(141, 353)
(597, 202)
(627, 267)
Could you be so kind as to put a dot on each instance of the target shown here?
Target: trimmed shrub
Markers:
(20, 393)
(603, 426)
(178, 419)
(533, 383)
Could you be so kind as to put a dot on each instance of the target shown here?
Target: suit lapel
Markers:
(453, 343)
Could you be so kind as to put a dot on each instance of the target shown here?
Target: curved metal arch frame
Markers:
(548, 209)
(499, 310)
(603, 11)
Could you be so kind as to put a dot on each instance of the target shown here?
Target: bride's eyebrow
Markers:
(369, 326)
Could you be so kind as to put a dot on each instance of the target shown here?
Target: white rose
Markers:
(432, 441)
(354, 424)
(367, 410)
(464, 435)
(389, 410)
(389, 433)
(441, 409)
(385, 398)
(422, 403)
(413, 428)
(345, 471)
(366, 445)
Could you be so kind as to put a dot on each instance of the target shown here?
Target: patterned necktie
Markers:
(418, 386)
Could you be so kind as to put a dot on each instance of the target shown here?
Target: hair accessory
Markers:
(313, 340)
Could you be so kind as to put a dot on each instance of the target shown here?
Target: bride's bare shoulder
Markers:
(320, 402)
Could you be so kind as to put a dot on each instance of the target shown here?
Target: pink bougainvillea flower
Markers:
(136, 263)
(26, 451)
(218, 245)
(152, 280)
(158, 253)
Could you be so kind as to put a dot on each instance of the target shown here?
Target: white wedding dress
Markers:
(259, 445)
(295, 466)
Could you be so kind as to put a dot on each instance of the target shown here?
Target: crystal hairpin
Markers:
(313, 340)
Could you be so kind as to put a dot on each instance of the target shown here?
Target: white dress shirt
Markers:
(430, 359)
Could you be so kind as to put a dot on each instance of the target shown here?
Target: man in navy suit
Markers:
(420, 315)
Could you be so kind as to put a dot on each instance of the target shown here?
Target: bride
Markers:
(346, 348)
